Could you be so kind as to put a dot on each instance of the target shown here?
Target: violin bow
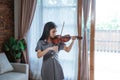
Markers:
(62, 28)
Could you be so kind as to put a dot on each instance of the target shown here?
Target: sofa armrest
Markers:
(20, 67)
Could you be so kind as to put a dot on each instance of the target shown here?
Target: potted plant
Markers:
(14, 49)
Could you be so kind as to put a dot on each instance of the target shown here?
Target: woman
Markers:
(51, 69)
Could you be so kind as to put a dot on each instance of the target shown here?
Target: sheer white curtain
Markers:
(58, 11)
(32, 37)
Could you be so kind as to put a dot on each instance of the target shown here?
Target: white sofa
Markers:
(19, 72)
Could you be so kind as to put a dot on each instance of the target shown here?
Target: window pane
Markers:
(60, 11)
(60, 15)
(55, 3)
(107, 40)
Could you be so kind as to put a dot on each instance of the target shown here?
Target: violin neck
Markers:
(78, 37)
(75, 36)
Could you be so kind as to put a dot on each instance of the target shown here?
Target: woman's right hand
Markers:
(54, 48)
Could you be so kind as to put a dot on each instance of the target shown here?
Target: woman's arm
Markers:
(67, 49)
(42, 53)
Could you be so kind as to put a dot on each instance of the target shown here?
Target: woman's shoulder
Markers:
(41, 42)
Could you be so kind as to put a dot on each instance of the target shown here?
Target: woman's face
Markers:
(53, 32)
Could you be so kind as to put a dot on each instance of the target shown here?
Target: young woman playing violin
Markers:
(48, 46)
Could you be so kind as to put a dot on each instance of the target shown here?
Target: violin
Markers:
(57, 39)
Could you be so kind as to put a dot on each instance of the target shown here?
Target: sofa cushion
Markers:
(13, 76)
(5, 65)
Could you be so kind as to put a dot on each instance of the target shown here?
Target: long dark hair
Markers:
(46, 31)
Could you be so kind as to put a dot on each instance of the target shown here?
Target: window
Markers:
(107, 41)
(58, 11)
